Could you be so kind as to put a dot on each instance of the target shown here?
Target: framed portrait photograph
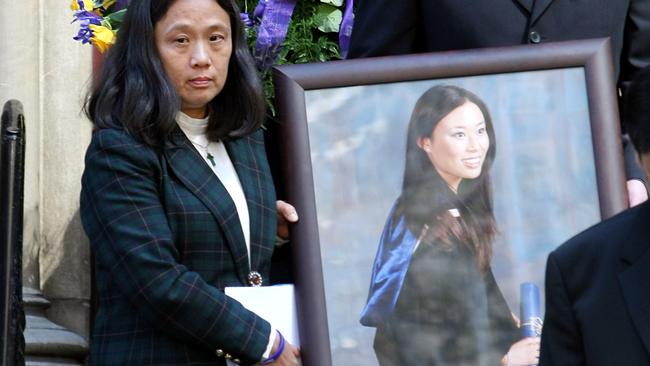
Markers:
(431, 189)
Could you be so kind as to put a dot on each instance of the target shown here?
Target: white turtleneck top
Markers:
(195, 129)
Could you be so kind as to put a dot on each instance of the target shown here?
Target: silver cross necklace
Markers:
(208, 156)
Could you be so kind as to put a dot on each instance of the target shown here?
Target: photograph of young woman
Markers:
(433, 297)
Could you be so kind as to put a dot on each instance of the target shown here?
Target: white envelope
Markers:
(276, 304)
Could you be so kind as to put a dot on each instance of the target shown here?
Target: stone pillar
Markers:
(43, 67)
(19, 79)
(65, 134)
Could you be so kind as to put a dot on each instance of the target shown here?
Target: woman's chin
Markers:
(472, 174)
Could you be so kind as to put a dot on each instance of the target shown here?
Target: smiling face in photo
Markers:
(458, 144)
(194, 42)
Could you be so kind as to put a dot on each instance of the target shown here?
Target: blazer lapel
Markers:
(245, 157)
(634, 279)
(539, 7)
(196, 175)
(526, 4)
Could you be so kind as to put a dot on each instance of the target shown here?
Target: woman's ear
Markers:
(424, 143)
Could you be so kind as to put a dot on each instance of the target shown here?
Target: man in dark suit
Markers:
(389, 27)
(597, 293)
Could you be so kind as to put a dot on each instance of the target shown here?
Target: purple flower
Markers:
(84, 35)
(259, 10)
(121, 4)
(345, 29)
(85, 19)
(246, 19)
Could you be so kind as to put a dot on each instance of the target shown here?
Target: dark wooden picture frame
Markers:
(294, 81)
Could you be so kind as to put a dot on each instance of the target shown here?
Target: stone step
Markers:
(47, 343)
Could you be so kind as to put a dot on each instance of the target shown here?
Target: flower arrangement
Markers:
(99, 21)
(278, 31)
(319, 31)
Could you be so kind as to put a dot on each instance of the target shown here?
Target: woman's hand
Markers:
(515, 319)
(286, 214)
(289, 356)
(523, 353)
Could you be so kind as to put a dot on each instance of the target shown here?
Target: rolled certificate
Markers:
(530, 310)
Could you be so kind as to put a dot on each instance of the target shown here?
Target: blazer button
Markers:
(219, 353)
(255, 279)
(534, 37)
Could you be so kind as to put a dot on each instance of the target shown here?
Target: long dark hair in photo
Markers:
(426, 197)
(134, 93)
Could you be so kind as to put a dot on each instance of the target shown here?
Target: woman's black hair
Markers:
(134, 93)
(426, 197)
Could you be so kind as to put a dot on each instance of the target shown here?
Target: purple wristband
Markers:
(274, 357)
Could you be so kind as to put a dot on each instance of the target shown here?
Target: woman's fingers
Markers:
(286, 214)
(524, 352)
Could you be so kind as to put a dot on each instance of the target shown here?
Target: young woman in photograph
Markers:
(177, 198)
(433, 297)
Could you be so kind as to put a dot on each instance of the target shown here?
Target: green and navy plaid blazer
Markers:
(167, 240)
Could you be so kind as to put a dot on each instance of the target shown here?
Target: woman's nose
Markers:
(200, 56)
(472, 143)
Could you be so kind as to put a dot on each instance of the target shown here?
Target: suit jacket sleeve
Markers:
(632, 168)
(384, 27)
(561, 338)
(635, 56)
(636, 53)
(124, 218)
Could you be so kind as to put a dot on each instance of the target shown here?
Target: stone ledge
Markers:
(47, 343)
(50, 361)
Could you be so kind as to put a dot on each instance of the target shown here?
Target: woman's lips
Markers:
(201, 81)
(472, 163)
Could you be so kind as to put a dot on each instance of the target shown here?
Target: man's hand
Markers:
(636, 192)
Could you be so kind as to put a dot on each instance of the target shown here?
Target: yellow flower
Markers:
(102, 37)
(88, 5)
(107, 3)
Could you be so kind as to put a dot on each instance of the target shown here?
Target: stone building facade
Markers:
(44, 68)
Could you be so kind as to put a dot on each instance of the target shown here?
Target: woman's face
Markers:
(458, 144)
(194, 42)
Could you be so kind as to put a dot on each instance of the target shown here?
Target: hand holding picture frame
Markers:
(557, 169)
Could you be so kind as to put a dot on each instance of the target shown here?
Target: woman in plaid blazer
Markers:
(173, 221)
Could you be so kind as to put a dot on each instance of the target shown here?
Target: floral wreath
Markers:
(99, 21)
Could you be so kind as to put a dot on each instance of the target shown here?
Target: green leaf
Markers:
(305, 41)
(328, 18)
(116, 17)
(333, 2)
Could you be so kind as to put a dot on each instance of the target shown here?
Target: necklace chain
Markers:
(204, 147)
(208, 156)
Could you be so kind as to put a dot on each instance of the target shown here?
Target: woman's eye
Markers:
(481, 131)
(459, 135)
(181, 40)
(216, 38)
